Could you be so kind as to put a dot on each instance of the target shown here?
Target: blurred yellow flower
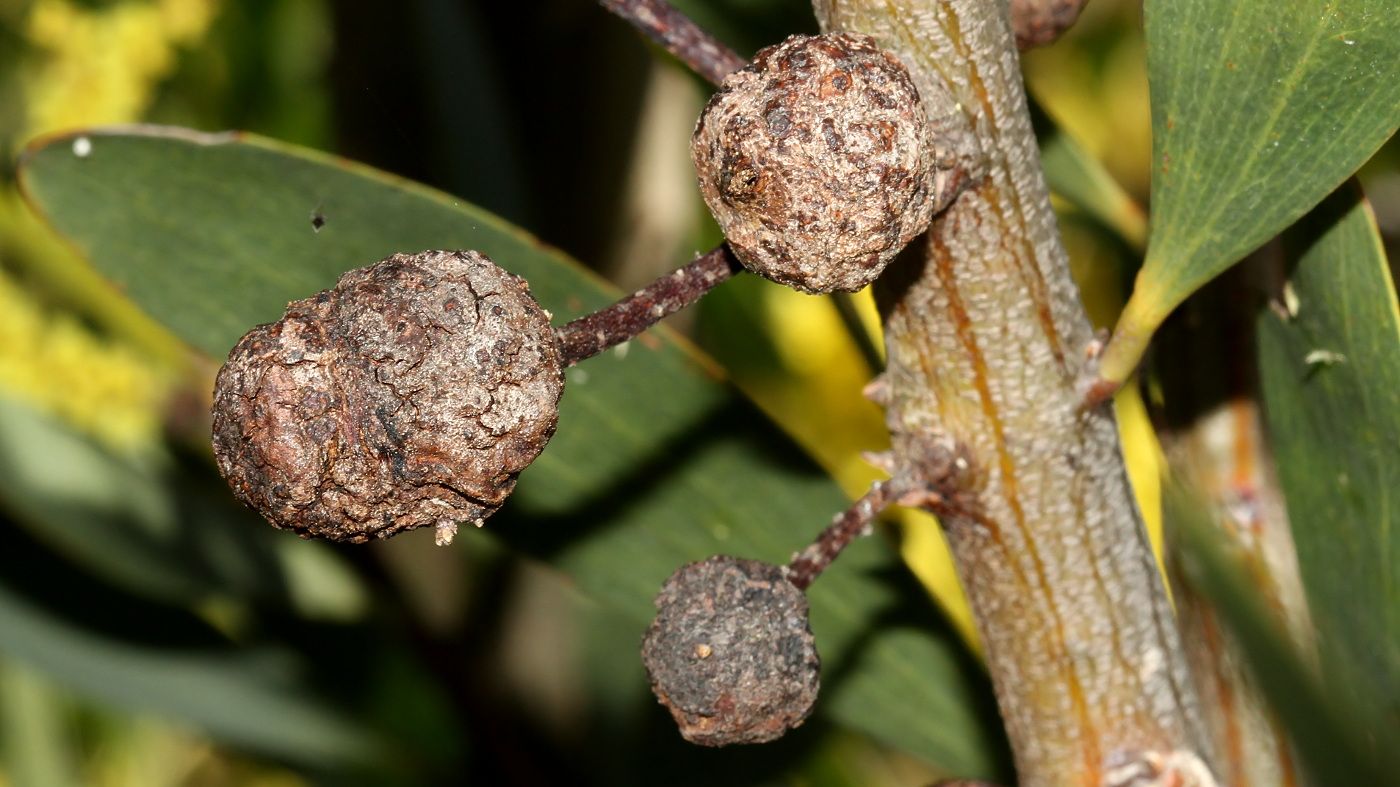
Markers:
(55, 364)
(101, 65)
(91, 65)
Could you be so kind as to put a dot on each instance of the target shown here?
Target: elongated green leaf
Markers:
(241, 698)
(1330, 373)
(36, 740)
(656, 462)
(108, 514)
(1259, 110)
(1078, 177)
(152, 528)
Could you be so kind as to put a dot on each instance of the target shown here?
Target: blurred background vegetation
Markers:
(548, 113)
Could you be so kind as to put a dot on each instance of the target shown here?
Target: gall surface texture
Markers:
(817, 162)
(730, 652)
(411, 394)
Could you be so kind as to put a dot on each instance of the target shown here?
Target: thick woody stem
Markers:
(849, 525)
(593, 333)
(678, 34)
(986, 341)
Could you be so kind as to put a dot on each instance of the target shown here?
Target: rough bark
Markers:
(987, 344)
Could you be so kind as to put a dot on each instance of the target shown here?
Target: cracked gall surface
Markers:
(411, 393)
(817, 162)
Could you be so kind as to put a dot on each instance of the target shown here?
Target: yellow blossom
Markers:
(101, 65)
(91, 65)
(57, 365)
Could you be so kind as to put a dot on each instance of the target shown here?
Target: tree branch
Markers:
(848, 525)
(676, 33)
(610, 326)
(986, 341)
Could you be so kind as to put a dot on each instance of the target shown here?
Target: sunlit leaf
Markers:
(656, 462)
(1259, 110)
(36, 740)
(1330, 367)
(1078, 177)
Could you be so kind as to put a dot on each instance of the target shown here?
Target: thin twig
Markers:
(593, 333)
(678, 34)
(849, 525)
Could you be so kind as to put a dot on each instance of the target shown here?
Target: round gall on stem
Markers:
(730, 652)
(817, 162)
(409, 395)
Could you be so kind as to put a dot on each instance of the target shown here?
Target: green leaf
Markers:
(1259, 110)
(1072, 173)
(656, 462)
(155, 528)
(113, 516)
(1330, 374)
(242, 698)
(1336, 737)
(36, 738)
